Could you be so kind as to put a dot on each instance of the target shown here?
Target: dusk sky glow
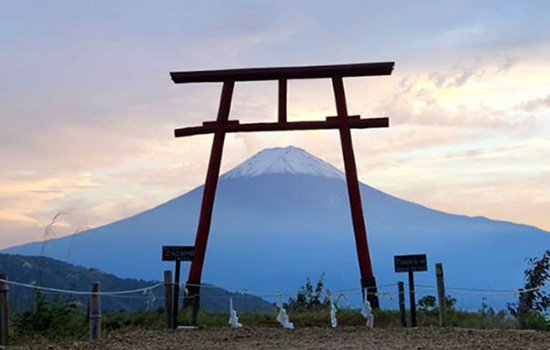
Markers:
(87, 107)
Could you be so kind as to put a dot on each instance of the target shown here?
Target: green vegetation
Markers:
(310, 298)
(52, 320)
(537, 300)
(57, 319)
(428, 303)
(65, 321)
(485, 318)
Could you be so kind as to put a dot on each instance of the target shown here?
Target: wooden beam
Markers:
(208, 196)
(331, 123)
(282, 100)
(303, 72)
(368, 281)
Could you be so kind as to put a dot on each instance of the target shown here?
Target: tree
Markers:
(429, 303)
(537, 274)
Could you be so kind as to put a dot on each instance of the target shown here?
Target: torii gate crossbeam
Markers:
(343, 122)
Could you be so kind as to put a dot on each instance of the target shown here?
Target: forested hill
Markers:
(47, 272)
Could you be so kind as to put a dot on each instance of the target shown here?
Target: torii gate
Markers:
(343, 122)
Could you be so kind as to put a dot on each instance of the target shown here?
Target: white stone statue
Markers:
(333, 320)
(233, 318)
(366, 311)
(282, 318)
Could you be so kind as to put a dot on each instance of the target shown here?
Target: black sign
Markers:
(178, 253)
(406, 263)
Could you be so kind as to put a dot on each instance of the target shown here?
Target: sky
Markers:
(87, 108)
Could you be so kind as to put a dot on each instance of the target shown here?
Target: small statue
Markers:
(233, 318)
(282, 318)
(333, 320)
(366, 311)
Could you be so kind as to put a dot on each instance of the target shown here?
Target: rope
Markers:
(483, 291)
(76, 292)
(269, 294)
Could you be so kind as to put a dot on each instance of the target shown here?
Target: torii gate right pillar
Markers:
(368, 281)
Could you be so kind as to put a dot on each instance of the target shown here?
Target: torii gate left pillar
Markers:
(343, 122)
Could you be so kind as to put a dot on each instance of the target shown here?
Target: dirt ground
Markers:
(312, 338)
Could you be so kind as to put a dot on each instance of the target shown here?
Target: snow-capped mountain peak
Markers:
(287, 160)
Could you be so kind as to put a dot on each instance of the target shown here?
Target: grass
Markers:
(383, 319)
(60, 323)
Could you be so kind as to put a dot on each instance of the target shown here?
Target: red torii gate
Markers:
(343, 122)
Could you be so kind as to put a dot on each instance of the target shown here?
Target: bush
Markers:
(429, 303)
(537, 301)
(58, 319)
(309, 298)
(138, 319)
(54, 320)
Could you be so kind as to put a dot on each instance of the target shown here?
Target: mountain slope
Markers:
(57, 274)
(284, 215)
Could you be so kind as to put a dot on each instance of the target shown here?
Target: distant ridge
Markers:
(51, 273)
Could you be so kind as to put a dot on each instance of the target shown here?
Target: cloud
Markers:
(507, 63)
(501, 176)
(535, 104)
(461, 95)
(88, 109)
(457, 76)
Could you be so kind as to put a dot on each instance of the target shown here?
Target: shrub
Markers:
(429, 303)
(51, 319)
(537, 301)
(310, 298)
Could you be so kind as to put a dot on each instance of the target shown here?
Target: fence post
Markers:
(412, 300)
(168, 308)
(4, 310)
(176, 295)
(441, 295)
(401, 288)
(95, 311)
(521, 310)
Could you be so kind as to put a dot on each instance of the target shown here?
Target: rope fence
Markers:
(268, 294)
(76, 292)
(172, 298)
(274, 293)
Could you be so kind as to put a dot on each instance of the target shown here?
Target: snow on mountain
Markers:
(287, 160)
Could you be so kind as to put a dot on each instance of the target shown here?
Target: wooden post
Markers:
(196, 308)
(412, 298)
(4, 310)
(354, 193)
(208, 196)
(168, 308)
(95, 311)
(176, 296)
(401, 288)
(521, 310)
(441, 295)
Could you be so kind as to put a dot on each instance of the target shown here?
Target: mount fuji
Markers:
(283, 215)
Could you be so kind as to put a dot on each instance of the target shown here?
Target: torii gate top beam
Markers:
(305, 72)
(282, 74)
